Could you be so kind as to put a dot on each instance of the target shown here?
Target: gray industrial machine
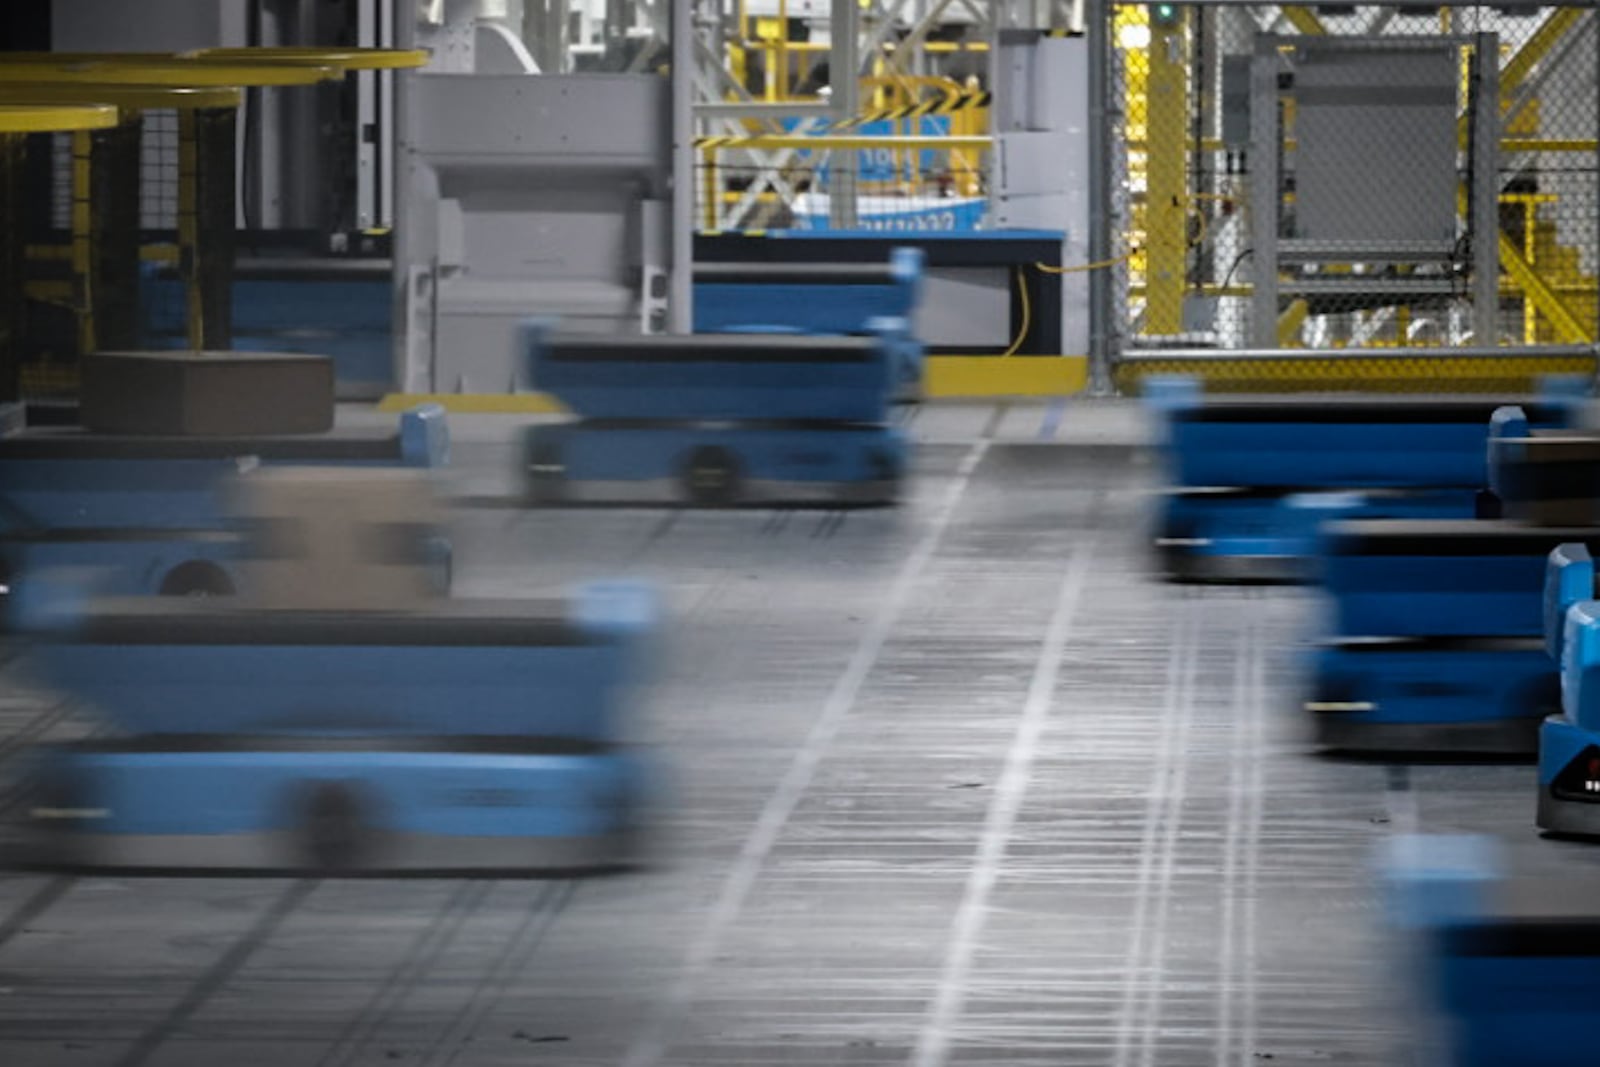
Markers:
(525, 194)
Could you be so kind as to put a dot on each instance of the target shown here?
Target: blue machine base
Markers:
(331, 807)
(713, 465)
(1569, 778)
(1271, 536)
(1467, 695)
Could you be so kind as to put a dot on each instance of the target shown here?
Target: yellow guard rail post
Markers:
(16, 122)
(105, 246)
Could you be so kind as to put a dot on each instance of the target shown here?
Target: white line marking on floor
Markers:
(1175, 787)
(933, 1045)
(1256, 715)
(1180, 668)
(1228, 936)
(656, 1040)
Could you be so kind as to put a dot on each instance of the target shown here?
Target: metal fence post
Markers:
(1486, 190)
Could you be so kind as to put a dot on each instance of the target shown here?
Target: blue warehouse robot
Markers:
(340, 715)
(718, 420)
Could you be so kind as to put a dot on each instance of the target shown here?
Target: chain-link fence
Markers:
(1353, 177)
(158, 175)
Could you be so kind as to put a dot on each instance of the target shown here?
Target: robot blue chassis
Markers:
(1239, 463)
(338, 740)
(1506, 965)
(244, 806)
(1569, 743)
(1439, 637)
(138, 509)
(717, 420)
(1480, 696)
(1268, 536)
(656, 463)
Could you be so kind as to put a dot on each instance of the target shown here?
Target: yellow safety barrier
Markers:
(945, 378)
(828, 142)
(952, 103)
(1434, 371)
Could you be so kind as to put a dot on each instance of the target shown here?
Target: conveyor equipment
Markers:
(717, 420)
(1501, 963)
(1242, 468)
(147, 511)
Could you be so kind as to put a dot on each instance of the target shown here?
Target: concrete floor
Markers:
(951, 784)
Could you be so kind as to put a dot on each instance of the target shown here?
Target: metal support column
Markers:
(681, 311)
(544, 28)
(1101, 342)
(1166, 198)
(397, 147)
(844, 80)
(1485, 221)
(1264, 196)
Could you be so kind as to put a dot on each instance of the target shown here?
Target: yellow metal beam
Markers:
(137, 97)
(1304, 20)
(339, 58)
(342, 59)
(1566, 325)
(49, 118)
(1167, 222)
(1519, 66)
(1289, 323)
(826, 142)
(1549, 144)
(166, 72)
(82, 240)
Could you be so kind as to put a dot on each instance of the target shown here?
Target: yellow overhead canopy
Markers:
(48, 118)
(340, 60)
(116, 70)
(137, 97)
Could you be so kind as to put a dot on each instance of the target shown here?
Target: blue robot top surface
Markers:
(709, 377)
(166, 666)
(68, 479)
(1336, 442)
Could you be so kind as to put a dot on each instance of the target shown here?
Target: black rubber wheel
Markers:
(334, 835)
(884, 468)
(546, 471)
(711, 477)
(197, 578)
